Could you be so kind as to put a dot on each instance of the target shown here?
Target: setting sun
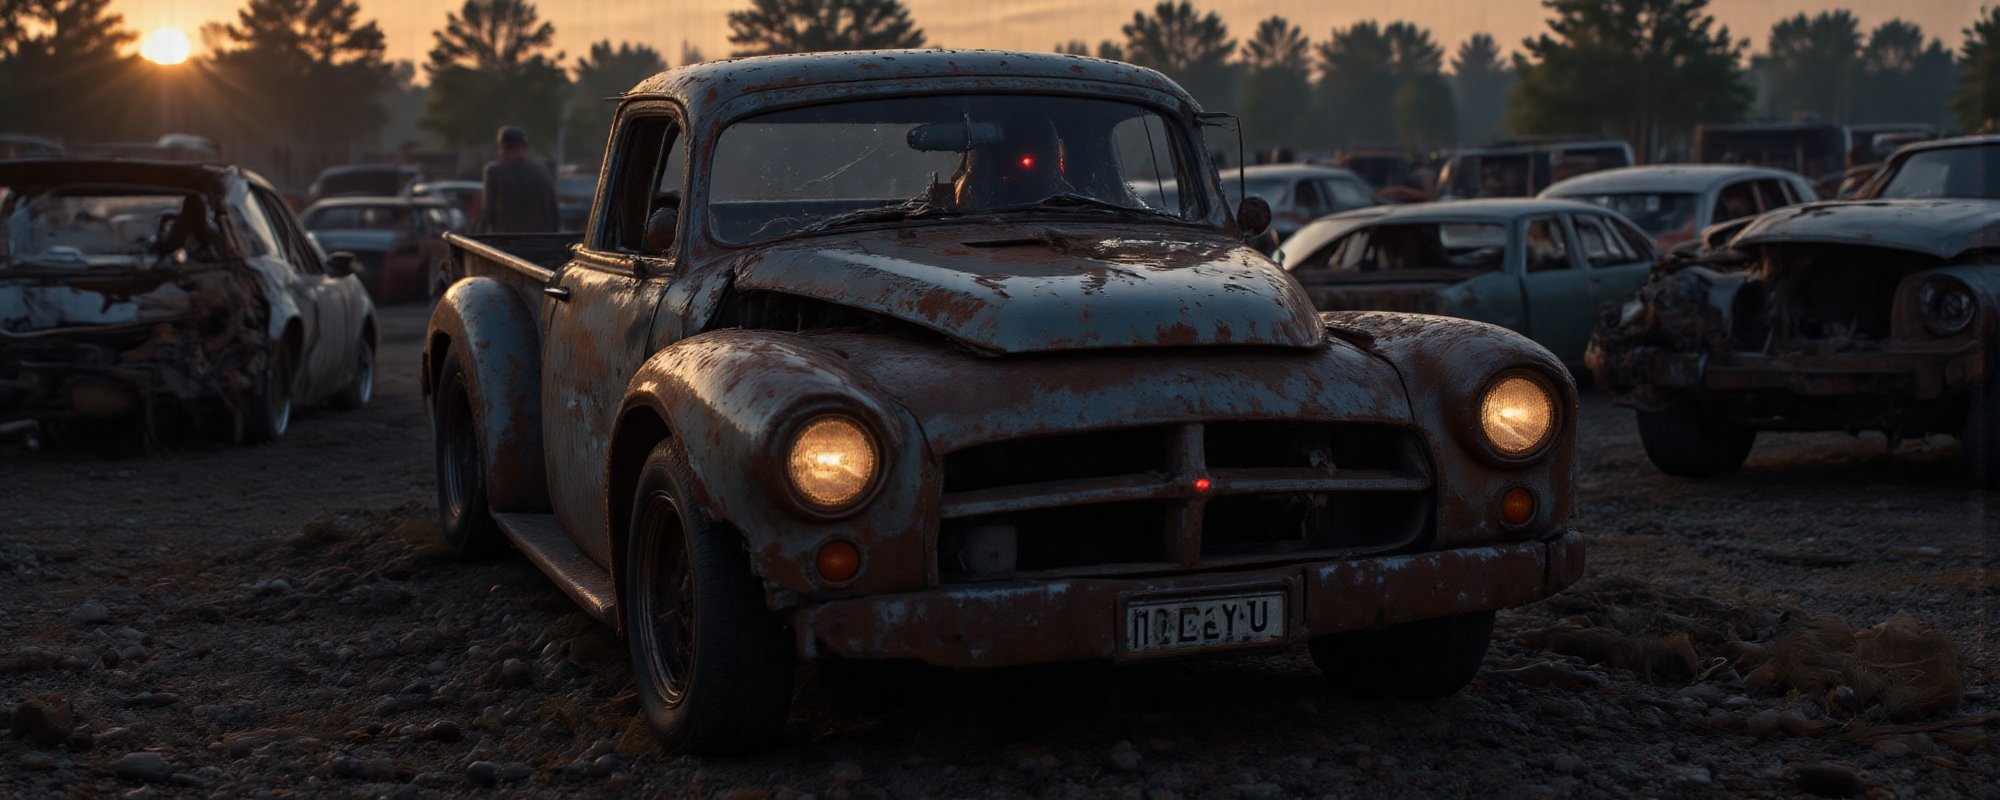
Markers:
(165, 46)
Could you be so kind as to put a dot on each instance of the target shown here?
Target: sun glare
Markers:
(165, 46)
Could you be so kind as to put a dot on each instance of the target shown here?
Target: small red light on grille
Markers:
(1201, 484)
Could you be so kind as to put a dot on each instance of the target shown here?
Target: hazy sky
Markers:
(1039, 24)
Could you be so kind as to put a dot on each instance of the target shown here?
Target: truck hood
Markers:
(1940, 228)
(1012, 288)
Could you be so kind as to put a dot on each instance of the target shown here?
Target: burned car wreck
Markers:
(1866, 315)
(174, 296)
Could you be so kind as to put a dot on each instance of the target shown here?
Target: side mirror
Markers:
(340, 264)
(1253, 216)
(660, 229)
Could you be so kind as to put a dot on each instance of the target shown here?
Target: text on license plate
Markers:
(1200, 623)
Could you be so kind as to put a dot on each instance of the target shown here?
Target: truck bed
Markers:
(523, 261)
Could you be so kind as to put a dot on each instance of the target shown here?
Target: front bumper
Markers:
(1007, 623)
(1921, 372)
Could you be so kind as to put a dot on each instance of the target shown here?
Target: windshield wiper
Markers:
(913, 209)
(1071, 201)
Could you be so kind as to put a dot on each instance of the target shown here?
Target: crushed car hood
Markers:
(1940, 228)
(1032, 288)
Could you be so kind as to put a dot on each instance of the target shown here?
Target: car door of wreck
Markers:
(1555, 287)
(599, 309)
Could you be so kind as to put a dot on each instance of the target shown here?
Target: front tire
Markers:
(713, 665)
(269, 414)
(1687, 442)
(361, 388)
(464, 517)
(1424, 659)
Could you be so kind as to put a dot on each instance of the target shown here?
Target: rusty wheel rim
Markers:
(461, 455)
(664, 601)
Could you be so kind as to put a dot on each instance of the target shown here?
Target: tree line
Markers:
(315, 72)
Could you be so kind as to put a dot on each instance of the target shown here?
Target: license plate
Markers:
(1193, 624)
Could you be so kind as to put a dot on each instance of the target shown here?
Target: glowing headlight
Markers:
(1517, 416)
(832, 462)
(1947, 306)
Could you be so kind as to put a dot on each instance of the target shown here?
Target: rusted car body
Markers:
(397, 243)
(1673, 203)
(168, 292)
(1539, 267)
(1094, 429)
(1872, 314)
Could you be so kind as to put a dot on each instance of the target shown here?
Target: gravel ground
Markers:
(279, 620)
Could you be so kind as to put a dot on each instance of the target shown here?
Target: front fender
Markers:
(488, 325)
(1446, 364)
(730, 398)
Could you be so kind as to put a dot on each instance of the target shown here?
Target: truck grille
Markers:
(1177, 497)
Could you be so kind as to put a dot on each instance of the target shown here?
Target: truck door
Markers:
(1555, 288)
(599, 309)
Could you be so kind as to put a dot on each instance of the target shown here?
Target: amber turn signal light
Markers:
(1516, 506)
(839, 560)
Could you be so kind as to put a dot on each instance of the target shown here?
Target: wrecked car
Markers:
(881, 356)
(1866, 315)
(397, 243)
(1540, 267)
(169, 293)
(1673, 202)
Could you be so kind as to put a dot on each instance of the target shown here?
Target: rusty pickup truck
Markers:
(1874, 314)
(882, 356)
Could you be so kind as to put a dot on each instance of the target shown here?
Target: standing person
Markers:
(519, 197)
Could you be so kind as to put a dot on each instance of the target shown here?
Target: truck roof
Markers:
(714, 84)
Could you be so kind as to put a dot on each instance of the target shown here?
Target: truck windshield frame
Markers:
(917, 158)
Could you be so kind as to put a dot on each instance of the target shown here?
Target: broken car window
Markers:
(88, 226)
(1957, 172)
(1546, 248)
(1454, 247)
(902, 158)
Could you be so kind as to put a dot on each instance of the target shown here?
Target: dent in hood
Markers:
(1020, 289)
(1940, 228)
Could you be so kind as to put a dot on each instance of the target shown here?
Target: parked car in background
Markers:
(1381, 168)
(171, 295)
(1870, 143)
(362, 180)
(1817, 150)
(1539, 267)
(574, 193)
(875, 355)
(466, 198)
(1871, 314)
(397, 242)
(1673, 203)
(1524, 169)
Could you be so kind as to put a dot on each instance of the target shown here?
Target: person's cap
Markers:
(512, 135)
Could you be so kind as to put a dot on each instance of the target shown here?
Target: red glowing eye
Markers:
(1201, 484)
(1027, 161)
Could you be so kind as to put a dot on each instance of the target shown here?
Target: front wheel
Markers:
(1424, 659)
(1688, 442)
(361, 387)
(269, 414)
(713, 665)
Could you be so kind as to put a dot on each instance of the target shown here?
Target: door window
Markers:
(292, 242)
(1547, 249)
(254, 229)
(1349, 194)
(1601, 247)
(1307, 195)
(1770, 195)
(1735, 200)
(1635, 240)
(650, 174)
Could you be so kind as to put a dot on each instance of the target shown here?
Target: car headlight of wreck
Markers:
(832, 463)
(1518, 415)
(1946, 305)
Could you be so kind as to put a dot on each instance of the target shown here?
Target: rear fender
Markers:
(484, 320)
(1446, 364)
(731, 399)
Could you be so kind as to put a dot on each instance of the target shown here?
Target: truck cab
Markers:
(884, 355)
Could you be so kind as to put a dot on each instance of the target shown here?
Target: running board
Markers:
(545, 543)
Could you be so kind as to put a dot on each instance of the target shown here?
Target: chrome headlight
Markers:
(832, 463)
(1517, 415)
(1946, 306)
